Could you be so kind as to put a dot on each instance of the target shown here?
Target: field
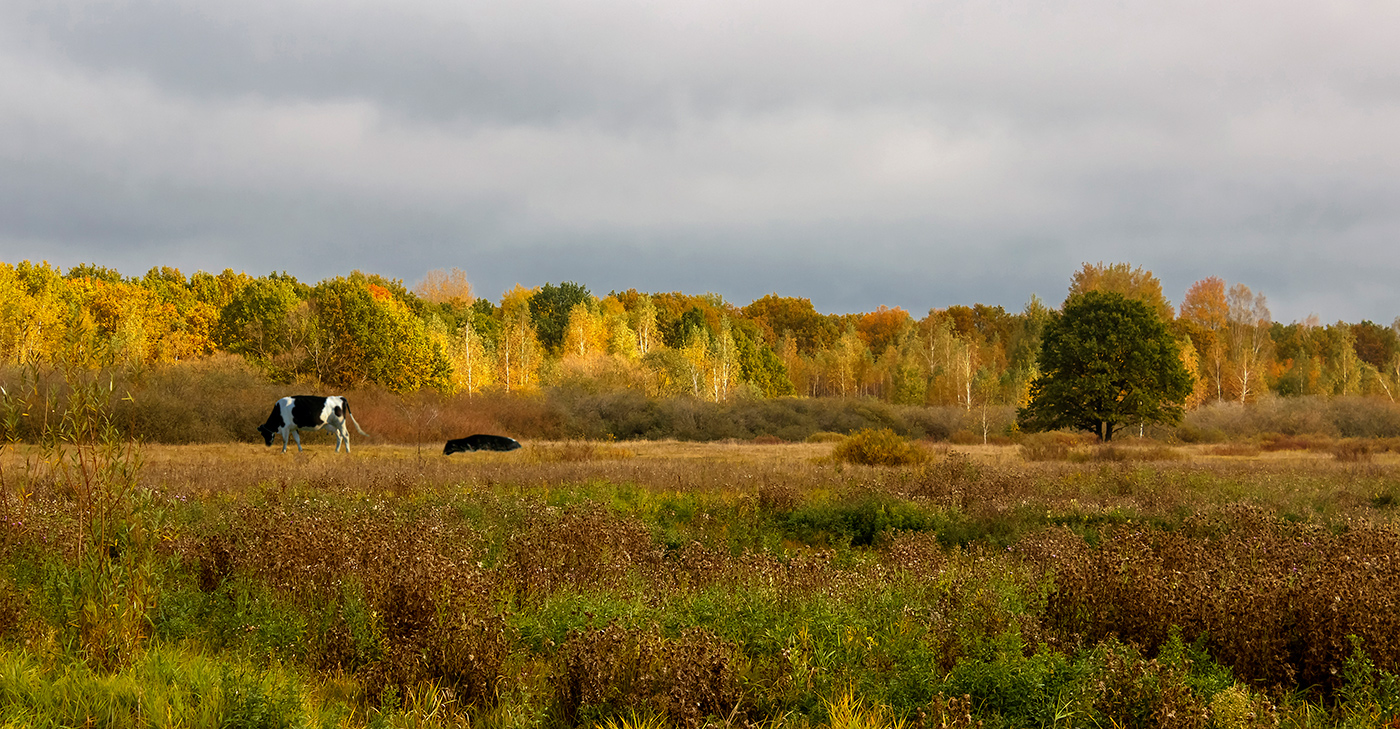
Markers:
(650, 584)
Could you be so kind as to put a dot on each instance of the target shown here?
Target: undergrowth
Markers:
(592, 588)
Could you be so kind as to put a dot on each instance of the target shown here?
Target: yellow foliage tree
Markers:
(586, 333)
(519, 354)
(445, 287)
(1120, 278)
(1248, 325)
(33, 310)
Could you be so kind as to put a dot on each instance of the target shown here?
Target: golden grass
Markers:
(978, 480)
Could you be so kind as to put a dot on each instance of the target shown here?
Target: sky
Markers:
(914, 154)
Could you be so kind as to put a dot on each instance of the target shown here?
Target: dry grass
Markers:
(1284, 482)
(677, 579)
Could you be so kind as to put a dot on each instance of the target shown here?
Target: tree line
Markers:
(367, 330)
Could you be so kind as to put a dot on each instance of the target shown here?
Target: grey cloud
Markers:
(857, 154)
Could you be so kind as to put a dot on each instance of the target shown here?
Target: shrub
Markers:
(1280, 442)
(1120, 453)
(1235, 449)
(1051, 446)
(1352, 451)
(881, 447)
(686, 678)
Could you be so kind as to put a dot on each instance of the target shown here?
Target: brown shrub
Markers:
(1280, 442)
(430, 417)
(1135, 692)
(577, 547)
(915, 552)
(1353, 450)
(433, 618)
(1052, 446)
(1235, 449)
(1277, 601)
(576, 451)
(1119, 453)
(215, 399)
(778, 497)
(686, 679)
(964, 437)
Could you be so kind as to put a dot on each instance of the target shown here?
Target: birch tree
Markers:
(1206, 308)
(1248, 324)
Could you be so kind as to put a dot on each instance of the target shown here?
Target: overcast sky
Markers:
(916, 154)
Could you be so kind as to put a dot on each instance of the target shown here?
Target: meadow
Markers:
(680, 584)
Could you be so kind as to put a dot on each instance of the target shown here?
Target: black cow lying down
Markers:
(480, 442)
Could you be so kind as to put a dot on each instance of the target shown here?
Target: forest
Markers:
(365, 331)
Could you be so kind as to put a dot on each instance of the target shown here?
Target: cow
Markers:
(311, 412)
(480, 442)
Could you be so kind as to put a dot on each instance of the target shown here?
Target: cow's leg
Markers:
(286, 438)
(297, 434)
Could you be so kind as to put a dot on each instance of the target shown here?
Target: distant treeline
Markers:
(366, 331)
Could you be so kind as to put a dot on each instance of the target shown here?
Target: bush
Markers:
(685, 679)
(1353, 451)
(883, 447)
(1052, 446)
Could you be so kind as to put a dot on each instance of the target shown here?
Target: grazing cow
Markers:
(311, 412)
(480, 442)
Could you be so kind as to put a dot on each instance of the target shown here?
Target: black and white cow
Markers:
(480, 442)
(310, 412)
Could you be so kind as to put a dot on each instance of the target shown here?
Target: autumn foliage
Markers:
(363, 331)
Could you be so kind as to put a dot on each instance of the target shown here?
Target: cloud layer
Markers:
(858, 154)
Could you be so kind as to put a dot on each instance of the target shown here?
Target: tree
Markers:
(1344, 367)
(725, 361)
(471, 361)
(645, 325)
(518, 353)
(1249, 321)
(33, 305)
(550, 307)
(255, 324)
(883, 327)
(586, 333)
(1106, 361)
(445, 287)
(1133, 283)
(760, 366)
(777, 315)
(1207, 312)
(371, 335)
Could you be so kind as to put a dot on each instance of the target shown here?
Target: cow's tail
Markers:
(351, 417)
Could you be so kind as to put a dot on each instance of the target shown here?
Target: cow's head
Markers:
(267, 433)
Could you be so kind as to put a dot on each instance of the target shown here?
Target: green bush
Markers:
(883, 447)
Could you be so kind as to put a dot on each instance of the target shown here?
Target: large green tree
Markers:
(550, 307)
(1106, 361)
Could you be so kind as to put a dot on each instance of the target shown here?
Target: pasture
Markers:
(689, 584)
